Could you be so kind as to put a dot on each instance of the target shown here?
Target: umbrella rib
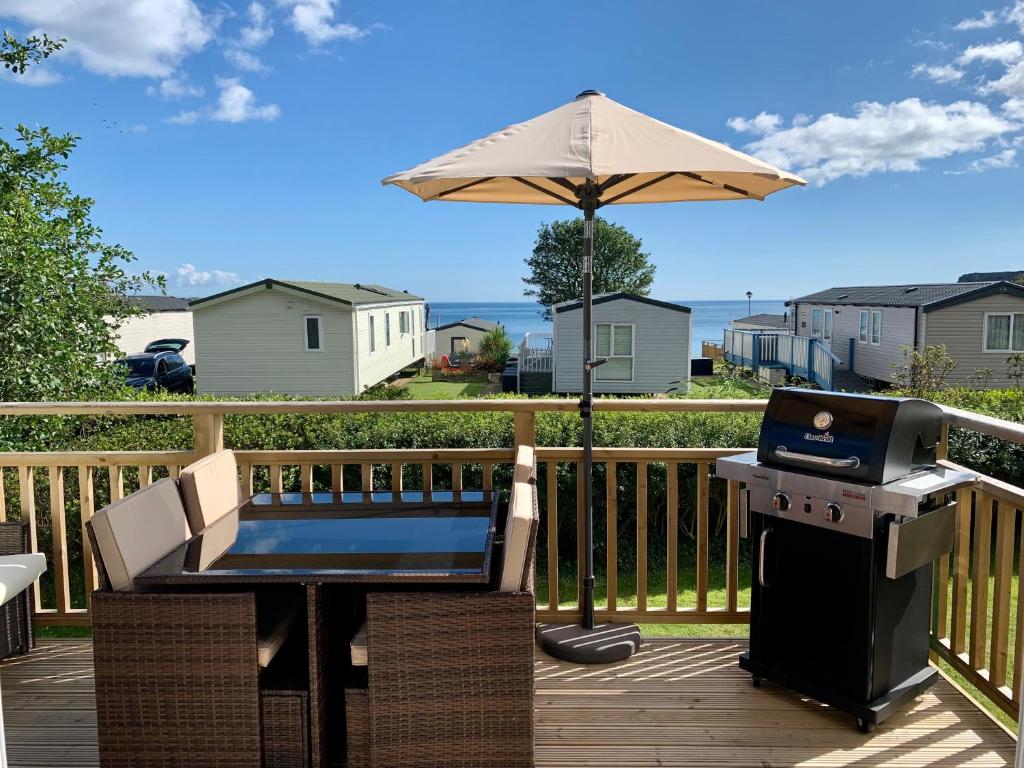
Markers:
(612, 181)
(562, 182)
(473, 183)
(547, 192)
(637, 188)
(722, 184)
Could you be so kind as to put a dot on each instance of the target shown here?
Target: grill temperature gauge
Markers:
(833, 512)
(781, 502)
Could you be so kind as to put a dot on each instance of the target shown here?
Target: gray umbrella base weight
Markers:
(604, 644)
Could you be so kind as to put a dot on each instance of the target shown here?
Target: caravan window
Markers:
(373, 335)
(387, 329)
(313, 330)
(865, 325)
(1004, 333)
(614, 342)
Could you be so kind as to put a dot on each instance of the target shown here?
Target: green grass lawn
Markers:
(422, 388)
(710, 386)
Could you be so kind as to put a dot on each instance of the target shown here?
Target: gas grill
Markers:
(847, 510)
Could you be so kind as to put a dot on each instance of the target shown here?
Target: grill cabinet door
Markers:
(811, 620)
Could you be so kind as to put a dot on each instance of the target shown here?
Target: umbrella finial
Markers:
(590, 92)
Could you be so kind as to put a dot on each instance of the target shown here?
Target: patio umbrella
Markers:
(587, 154)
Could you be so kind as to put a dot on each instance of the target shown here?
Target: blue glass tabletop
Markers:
(381, 537)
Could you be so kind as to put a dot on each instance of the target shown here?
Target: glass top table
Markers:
(379, 537)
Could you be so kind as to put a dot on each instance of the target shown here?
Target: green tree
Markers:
(16, 55)
(923, 373)
(62, 288)
(556, 265)
(496, 345)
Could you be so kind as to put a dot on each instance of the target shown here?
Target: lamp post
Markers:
(750, 295)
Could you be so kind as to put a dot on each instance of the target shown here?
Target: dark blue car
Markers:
(158, 370)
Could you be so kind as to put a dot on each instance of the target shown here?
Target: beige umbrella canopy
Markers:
(590, 153)
(631, 157)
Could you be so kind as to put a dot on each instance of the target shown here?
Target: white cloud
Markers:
(1010, 84)
(175, 88)
(237, 104)
(987, 20)
(244, 60)
(259, 29)
(764, 122)
(1004, 52)
(185, 117)
(187, 274)
(1014, 109)
(314, 20)
(36, 75)
(1005, 159)
(880, 138)
(944, 73)
(141, 38)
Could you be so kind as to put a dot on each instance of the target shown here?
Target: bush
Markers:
(496, 346)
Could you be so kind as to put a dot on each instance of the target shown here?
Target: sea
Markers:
(708, 318)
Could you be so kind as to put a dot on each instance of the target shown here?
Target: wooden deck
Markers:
(677, 703)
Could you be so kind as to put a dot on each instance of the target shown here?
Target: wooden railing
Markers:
(977, 628)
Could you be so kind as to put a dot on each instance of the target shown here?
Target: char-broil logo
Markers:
(763, 478)
(848, 494)
(826, 437)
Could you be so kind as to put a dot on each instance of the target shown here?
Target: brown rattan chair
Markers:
(451, 678)
(16, 616)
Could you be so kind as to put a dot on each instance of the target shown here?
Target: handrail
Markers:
(500, 405)
(986, 425)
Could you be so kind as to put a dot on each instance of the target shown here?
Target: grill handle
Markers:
(821, 461)
(760, 558)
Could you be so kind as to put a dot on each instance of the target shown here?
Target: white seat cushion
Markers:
(274, 622)
(211, 489)
(519, 521)
(137, 531)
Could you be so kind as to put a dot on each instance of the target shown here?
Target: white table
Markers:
(17, 573)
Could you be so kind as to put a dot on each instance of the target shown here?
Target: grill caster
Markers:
(756, 680)
(864, 726)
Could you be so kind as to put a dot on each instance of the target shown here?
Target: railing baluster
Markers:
(245, 475)
(173, 470)
(275, 478)
(396, 477)
(487, 472)
(306, 478)
(367, 478)
(979, 581)
(961, 576)
(732, 546)
(58, 528)
(428, 478)
(115, 473)
(1006, 518)
(641, 535)
(337, 481)
(87, 504)
(145, 475)
(27, 498)
(1018, 646)
(3, 498)
(611, 525)
(552, 512)
(457, 478)
(703, 515)
(672, 569)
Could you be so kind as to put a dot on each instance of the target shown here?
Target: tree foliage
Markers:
(496, 345)
(17, 55)
(556, 264)
(62, 288)
(923, 373)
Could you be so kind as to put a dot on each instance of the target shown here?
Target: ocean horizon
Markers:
(708, 319)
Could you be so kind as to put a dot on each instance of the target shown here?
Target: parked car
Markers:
(158, 370)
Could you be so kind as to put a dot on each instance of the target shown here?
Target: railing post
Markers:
(525, 429)
(209, 433)
(942, 449)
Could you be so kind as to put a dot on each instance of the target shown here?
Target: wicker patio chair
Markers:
(451, 678)
(16, 616)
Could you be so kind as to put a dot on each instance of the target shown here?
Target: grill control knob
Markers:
(833, 512)
(781, 502)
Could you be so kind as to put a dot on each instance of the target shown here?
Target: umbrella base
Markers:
(604, 644)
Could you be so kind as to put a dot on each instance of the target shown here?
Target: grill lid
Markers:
(856, 437)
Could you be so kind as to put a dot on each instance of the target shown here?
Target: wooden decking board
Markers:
(676, 703)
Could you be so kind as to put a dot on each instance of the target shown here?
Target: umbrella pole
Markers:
(586, 412)
(587, 643)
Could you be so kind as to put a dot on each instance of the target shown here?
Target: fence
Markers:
(801, 356)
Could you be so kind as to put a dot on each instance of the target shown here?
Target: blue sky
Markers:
(229, 141)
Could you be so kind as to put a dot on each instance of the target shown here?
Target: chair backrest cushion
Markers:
(210, 488)
(521, 512)
(137, 531)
